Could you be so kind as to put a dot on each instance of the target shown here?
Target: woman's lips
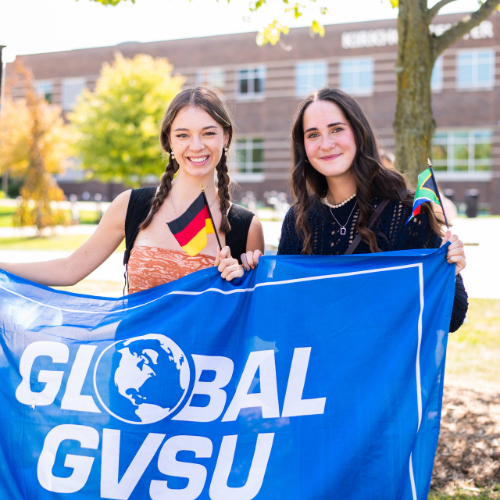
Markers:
(331, 157)
(198, 160)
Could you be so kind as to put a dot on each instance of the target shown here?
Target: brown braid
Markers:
(162, 191)
(223, 182)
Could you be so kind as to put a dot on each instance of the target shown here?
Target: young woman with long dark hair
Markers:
(196, 133)
(339, 185)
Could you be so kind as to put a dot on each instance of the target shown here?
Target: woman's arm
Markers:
(290, 243)
(255, 245)
(70, 270)
(460, 304)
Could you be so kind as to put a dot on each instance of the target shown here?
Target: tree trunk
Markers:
(414, 124)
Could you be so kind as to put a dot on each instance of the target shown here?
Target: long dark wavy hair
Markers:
(209, 101)
(372, 179)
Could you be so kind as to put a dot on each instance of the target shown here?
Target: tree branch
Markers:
(436, 8)
(463, 26)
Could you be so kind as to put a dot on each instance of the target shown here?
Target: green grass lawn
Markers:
(474, 350)
(63, 243)
(6, 214)
(486, 494)
(86, 216)
(89, 217)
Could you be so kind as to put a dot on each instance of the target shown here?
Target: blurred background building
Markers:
(263, 86)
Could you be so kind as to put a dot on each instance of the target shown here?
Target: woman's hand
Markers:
(229, 268)
(250, 259)
(456, 254)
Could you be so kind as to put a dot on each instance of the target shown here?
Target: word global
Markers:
(124, 375)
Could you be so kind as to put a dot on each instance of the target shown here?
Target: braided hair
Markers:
(206, 99)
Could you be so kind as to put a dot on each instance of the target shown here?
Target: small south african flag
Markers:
(426, 191)
(192, 227)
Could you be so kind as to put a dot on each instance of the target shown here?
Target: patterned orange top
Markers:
(152, 266)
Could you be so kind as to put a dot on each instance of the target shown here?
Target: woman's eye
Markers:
(337, 129)
(312, 136)
(210, 133)
(181, 136)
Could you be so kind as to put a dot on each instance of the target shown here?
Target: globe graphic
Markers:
(142, 380)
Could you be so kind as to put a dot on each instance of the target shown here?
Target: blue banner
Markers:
(312, 378)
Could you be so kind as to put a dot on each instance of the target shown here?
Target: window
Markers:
(45, 89)
(437, 75)
(310, 76)
(462, 151)
(250, 82)
(249, 156)
(475, 68)
(71, 89)
(356, 76)
(211, 77)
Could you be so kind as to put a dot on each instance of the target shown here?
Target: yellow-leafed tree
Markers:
(34, 145)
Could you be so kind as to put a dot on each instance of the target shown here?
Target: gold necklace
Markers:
(173, 206)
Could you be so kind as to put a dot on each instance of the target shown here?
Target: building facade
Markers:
(263, 86)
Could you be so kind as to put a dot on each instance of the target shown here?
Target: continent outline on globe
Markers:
(147, 378)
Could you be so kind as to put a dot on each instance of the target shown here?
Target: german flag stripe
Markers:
(209, 225)
(194, 227)
(179, 224)
(196, 244)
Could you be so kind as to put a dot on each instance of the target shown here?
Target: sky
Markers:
(34, 26)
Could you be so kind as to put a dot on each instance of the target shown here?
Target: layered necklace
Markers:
(343, 229)
(327, 203)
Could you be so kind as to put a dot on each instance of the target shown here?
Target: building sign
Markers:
(369, 38)
(389, 36)
(483, 30)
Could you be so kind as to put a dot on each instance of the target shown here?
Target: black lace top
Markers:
(391, 231)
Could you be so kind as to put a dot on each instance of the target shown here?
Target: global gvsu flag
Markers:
(312, 378)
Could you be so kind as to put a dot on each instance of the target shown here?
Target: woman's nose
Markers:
(327, 143)
(197, 144)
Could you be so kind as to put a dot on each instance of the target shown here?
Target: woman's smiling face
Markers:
(197, 141)
(328, 139)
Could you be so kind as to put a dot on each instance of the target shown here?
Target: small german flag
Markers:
(192, 227)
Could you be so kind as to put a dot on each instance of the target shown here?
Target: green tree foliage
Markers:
(34, 144)
(117, 126)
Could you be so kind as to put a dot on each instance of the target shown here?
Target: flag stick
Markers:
(210, 213)
(437, 192)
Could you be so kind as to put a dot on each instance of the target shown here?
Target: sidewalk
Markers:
(481, 237)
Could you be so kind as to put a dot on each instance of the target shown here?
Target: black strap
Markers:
(138, 209)
(240, 219)
(375, 215)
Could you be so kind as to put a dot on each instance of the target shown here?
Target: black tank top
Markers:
(139, 206)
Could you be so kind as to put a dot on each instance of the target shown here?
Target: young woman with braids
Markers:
(196, 132)
(339, 183)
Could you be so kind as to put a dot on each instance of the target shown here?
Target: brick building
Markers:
(264, 85)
